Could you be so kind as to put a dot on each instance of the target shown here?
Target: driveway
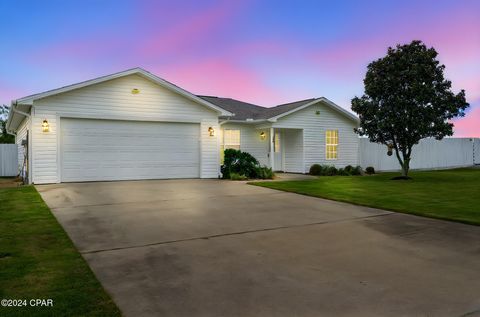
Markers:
(223, 248)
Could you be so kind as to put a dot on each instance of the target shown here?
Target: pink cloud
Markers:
(195, 28)
(223, 79)
(468, 126)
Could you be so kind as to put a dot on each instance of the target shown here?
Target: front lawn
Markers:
(38, 261)
(449, 194)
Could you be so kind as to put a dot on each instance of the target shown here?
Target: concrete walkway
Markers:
(223, 248)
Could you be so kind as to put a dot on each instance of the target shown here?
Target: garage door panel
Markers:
(120, 150)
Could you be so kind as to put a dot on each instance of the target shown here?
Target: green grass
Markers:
(448, 194)
(38, 260)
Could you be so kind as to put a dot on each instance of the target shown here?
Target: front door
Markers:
(278, 151)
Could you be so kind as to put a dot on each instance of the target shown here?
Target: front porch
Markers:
(286, 150)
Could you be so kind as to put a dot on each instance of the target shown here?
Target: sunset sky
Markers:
(264, 52)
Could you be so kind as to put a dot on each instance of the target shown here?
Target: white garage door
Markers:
(96, 150)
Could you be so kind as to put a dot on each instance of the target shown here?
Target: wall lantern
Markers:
(317, 112)
(45, 126)
(263, 135)
(211, 131)
(135, 91)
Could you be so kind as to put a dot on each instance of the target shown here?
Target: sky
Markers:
(263, 52)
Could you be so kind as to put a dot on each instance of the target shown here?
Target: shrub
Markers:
(330, 171)
(239, 162)
(237, 177)
(357, 170)
(349, 169)
(343, 172)
(370, 170)
(316, 169)
(264, 173)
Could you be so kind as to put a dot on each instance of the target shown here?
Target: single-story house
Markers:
(135, 125)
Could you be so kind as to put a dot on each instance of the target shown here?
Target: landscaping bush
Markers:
(343, 172)
(237, 177)
(316, 169)
(357, 170)
(370, 170)
(349, 169)
(240, 165)
(330, 171)
(264, 173)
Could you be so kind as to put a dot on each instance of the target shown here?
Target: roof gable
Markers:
(28, 100)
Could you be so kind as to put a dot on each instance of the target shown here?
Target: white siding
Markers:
(251, 142)
(21, 135)
(293, 147)
(427, 154)
(314, 127)
(113, 100)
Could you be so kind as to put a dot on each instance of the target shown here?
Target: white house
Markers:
(135, 125)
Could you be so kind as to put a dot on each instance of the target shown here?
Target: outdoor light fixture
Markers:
(263, 135)
(135, 91)
(317, 112)
(211, 131)
(45, 126)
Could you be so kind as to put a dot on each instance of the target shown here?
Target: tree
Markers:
(407, 99)
(4, 136)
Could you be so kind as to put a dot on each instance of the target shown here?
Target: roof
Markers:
(134, 71)
(226, 107)
(28, 100)
(243, 110)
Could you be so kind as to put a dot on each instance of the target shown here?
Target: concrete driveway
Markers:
(222, 248)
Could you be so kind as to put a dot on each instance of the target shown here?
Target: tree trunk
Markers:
(405, 167)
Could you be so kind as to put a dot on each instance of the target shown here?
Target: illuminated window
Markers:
(231, 139)
(331, 144)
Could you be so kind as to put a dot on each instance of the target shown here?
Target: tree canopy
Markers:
(4, 136)
(406, 99)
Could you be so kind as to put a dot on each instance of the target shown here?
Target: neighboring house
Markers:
(135, 125)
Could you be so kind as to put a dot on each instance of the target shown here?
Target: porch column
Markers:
(271, 148)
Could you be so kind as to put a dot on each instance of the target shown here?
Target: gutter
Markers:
(10, 116)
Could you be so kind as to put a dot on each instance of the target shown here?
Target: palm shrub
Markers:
(243, 163)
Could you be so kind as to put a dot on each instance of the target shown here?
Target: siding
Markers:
(427, 154)
(250, 141)
(113, 100)
(293, 147)
(21, 135)
(314, 127)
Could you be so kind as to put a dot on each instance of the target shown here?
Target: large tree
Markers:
(4, 136)
(406, 99)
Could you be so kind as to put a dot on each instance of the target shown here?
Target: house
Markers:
(135, 125)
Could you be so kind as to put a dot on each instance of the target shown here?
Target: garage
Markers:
(105, 150)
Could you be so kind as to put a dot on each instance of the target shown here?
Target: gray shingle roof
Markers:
(244, 110)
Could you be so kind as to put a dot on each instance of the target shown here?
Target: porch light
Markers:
(211, 131)
(45, 126)
(263, 135)
(135, 91)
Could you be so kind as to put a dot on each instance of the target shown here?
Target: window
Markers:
(331, 144)
(231, 139)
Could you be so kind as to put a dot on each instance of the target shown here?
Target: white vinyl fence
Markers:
(8, 160)
(427, 154)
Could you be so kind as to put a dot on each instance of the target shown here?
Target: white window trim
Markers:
(330, 144)
(224, 145)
